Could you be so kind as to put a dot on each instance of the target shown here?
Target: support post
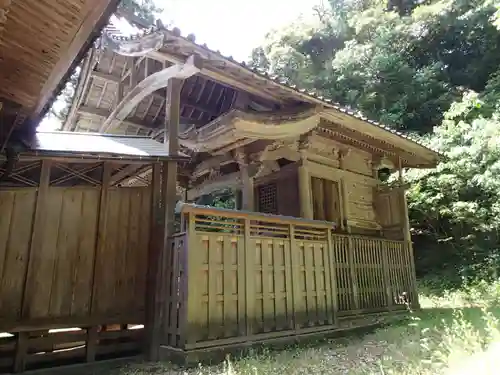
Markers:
(247, 182)
(169, 189)
(407, 239)
(305, 197)
(153, 283)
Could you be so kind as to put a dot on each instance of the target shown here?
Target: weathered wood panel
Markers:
(66, 266)
(17, 209)
(61, 275)
(121, 264)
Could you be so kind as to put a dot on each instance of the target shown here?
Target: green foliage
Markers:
(145, 9)
(403, 68)
(455, 209)
(432, 67)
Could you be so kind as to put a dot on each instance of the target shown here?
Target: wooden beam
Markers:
(101, 113)
(220, 78)
(172, 114)
(83, 83)
(133, 122)
(146, 87)
(37, 236)
(113, 79)
(231, 180)
(217, 161)
(129, 170)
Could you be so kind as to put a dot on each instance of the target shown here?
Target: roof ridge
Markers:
(283, 81)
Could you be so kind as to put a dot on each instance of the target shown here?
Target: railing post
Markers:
(387, 278)
(355, 289)
(333, 280)
(407, 240)
(191, 282)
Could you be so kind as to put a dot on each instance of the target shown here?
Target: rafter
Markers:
(146, 87)
(113, 79)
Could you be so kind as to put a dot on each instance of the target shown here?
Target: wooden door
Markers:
(326, 200)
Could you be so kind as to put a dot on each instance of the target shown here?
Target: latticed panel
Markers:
(343, 278)
(268, 199)
(368, 262)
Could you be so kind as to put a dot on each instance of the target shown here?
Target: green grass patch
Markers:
(455, 333)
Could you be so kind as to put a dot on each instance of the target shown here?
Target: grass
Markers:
(455, 333)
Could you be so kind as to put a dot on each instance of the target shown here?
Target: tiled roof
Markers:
(94, 143)
(115, 34)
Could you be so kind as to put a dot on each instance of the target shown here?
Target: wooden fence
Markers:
(238, 276)
(80, 262)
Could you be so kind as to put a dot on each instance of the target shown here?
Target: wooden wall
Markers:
(71, 272)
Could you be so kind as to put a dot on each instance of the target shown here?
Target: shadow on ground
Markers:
(396, 347)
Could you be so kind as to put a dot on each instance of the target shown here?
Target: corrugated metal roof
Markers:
(95, 143)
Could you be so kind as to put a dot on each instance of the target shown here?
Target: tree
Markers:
(145, 9)
(403, 68)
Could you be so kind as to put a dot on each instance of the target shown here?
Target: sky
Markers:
(234, 27)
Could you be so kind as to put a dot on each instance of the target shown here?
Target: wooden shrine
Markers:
(316, 244)
(317, 241)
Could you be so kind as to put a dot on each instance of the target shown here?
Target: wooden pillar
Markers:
(154, 291)
(407, 237)
(343, 154)
(247, 182)
(157, 322)
(305, 197)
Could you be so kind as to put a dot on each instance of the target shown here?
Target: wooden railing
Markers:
(239, 276)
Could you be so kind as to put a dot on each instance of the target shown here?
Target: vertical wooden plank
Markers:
(66, 253)
(316, 267)
(17, 208)
(36, 237)
(331, 277)
(173, 300)
(249, 279)
(311, 288)
(91, 344)
(83, 274)
(21, 351)
(353, 272)
(213, 318)
(194, 281)
(153, 309)
(298, 308)
(288, 280)
(241, 286)
(228, 282)
(278, 278)
(266, 276)
(100, 244)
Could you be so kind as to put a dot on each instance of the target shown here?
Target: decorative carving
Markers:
(304, 141)
(240, 157)
(267, 167)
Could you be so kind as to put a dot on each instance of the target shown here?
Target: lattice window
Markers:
(268, 198)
